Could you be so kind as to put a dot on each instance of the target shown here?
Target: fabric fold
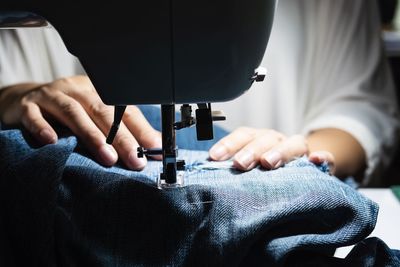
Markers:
(61, 208)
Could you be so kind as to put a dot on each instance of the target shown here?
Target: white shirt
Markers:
(34, 55)
(326, 68)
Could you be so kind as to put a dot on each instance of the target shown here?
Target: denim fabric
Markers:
(60, 208)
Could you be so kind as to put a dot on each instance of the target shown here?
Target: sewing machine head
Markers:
(169, 52)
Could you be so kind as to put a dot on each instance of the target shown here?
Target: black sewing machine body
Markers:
(163, 52)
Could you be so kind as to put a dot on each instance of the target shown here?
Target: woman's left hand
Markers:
(269, 148)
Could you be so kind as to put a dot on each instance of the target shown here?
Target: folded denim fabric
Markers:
(61, 208)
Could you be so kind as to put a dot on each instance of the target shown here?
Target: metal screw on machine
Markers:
(259, 74)
(141, 152)
(180, 165)
(169, 178)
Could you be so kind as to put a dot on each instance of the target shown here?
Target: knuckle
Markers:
(88, 85)
(45, 90)
(65, 84)
(99, 109)
(66, 81)
(123, 140)
(81, 79)
(92, 134)
(147, 134)
(129, 114)
(246, 132)
(228, 145)
(302, 141)
(68, 107)
(249, 150)
(38, 93)
(30, 97)
(25, 107)
(76, 84)
(278, 136)
(33, 95)
(245, 129)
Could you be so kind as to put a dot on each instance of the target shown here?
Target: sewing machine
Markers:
(169, 52)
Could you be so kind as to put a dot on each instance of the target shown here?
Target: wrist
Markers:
(350, 159)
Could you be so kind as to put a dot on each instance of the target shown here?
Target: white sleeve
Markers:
(34, 55)
(352, 86)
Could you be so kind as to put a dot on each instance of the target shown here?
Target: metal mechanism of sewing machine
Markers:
(169, 52)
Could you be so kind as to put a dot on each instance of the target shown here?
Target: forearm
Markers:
(350, 158)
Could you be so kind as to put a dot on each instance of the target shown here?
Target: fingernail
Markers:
(316, 159)
(135, 162)
(108, 155)
(274, 158)
(47, 136)
(218, 152)
(245, 158)
(320, 157)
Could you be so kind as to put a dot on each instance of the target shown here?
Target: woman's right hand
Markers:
(75, 103)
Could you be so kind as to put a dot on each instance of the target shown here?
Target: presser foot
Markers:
(163, 184)
(172, 175)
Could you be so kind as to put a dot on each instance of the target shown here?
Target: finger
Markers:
(293, 147)
(125, 143)
(102, 115)
(231, 144)
(32, 119)
(69, 112)
(320, 157)
(248, 157)
(138, 125)
(128, 139)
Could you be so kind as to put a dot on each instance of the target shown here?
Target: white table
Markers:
(388, 224)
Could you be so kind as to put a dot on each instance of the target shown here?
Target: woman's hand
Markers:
(271, 149)
(75, 103)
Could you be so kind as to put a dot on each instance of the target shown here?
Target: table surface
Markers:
(388, 224)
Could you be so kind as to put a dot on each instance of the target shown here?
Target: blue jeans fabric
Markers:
(60, 208)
